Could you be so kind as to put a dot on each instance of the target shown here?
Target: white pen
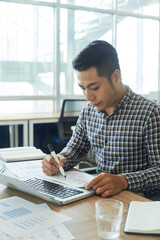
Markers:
(56, 159)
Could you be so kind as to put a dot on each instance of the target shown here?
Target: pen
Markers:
(56, 159)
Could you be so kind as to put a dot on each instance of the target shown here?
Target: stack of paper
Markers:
(23, 220)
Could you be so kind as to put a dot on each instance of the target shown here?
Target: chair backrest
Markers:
(69, 114)
(72, 107)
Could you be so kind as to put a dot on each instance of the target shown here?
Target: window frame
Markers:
(56, 97)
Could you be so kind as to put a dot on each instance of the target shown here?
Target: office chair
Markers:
(68, 117)
(70, 111)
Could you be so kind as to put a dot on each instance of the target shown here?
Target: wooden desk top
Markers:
(83, 224)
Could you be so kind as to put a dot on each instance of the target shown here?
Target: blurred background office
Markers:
(39, 39)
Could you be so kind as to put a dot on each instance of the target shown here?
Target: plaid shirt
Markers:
(126, 142)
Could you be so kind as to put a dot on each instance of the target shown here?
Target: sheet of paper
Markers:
(14, 201)
(2, 167)
(73, 178)
(25, 218)
(59, 232)
(26, 169)
(53, 233)
(30, 169)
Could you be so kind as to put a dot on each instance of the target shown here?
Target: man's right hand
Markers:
(50, 166)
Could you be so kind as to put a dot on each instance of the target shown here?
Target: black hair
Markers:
(99, 54)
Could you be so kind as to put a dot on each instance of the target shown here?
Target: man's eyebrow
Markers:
(89, 85)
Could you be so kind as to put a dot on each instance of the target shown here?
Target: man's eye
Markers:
(95, 88)
(82, 88)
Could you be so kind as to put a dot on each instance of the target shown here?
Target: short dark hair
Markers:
(99, 54)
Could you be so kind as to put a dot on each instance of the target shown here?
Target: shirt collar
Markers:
(124, 100)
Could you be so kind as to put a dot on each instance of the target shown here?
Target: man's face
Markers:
(97, 90)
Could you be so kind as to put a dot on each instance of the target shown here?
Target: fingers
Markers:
(104, 191)
(106, 184)
(106, 194)
(62, 160)
(50, 166)
(51, 160)
(94, 182)
(49, 169)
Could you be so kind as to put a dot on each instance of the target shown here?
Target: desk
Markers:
(13, 121)
(27, 120)
(83, 224)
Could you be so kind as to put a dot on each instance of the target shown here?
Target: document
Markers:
(73, 178)
(26, 169)
(143, 218)
(58, 232)
(24, 217)
(30, 169)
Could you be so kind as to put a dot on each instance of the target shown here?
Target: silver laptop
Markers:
(52, 191)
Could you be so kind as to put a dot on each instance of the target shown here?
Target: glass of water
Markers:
(108, 217)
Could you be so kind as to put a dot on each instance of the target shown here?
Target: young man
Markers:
(122, 128)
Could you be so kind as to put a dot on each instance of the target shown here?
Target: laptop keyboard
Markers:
(51, 188)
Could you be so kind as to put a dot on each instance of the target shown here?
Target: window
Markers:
(91, 3)
(39, 39)
(78, 28)
(137, 46)
(26, 56)
(145, 7)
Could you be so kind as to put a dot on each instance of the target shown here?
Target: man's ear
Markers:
(116, 77)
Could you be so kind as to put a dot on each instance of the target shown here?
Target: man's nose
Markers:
(89, 95)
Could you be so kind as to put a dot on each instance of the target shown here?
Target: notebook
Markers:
(49, 189)
(20, 154)
(143, 218)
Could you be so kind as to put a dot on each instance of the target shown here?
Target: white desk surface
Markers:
(28, 116)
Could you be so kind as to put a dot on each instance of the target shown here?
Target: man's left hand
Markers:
(106, 184)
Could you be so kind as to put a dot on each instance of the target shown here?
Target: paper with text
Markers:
(26, 169)
(24, 217)
(59, 232)
(73, 178)
(30, 169)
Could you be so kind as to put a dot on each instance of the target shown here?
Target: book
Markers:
(143, 218)
(16, 154)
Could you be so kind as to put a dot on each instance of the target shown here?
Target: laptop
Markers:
(50, 190)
